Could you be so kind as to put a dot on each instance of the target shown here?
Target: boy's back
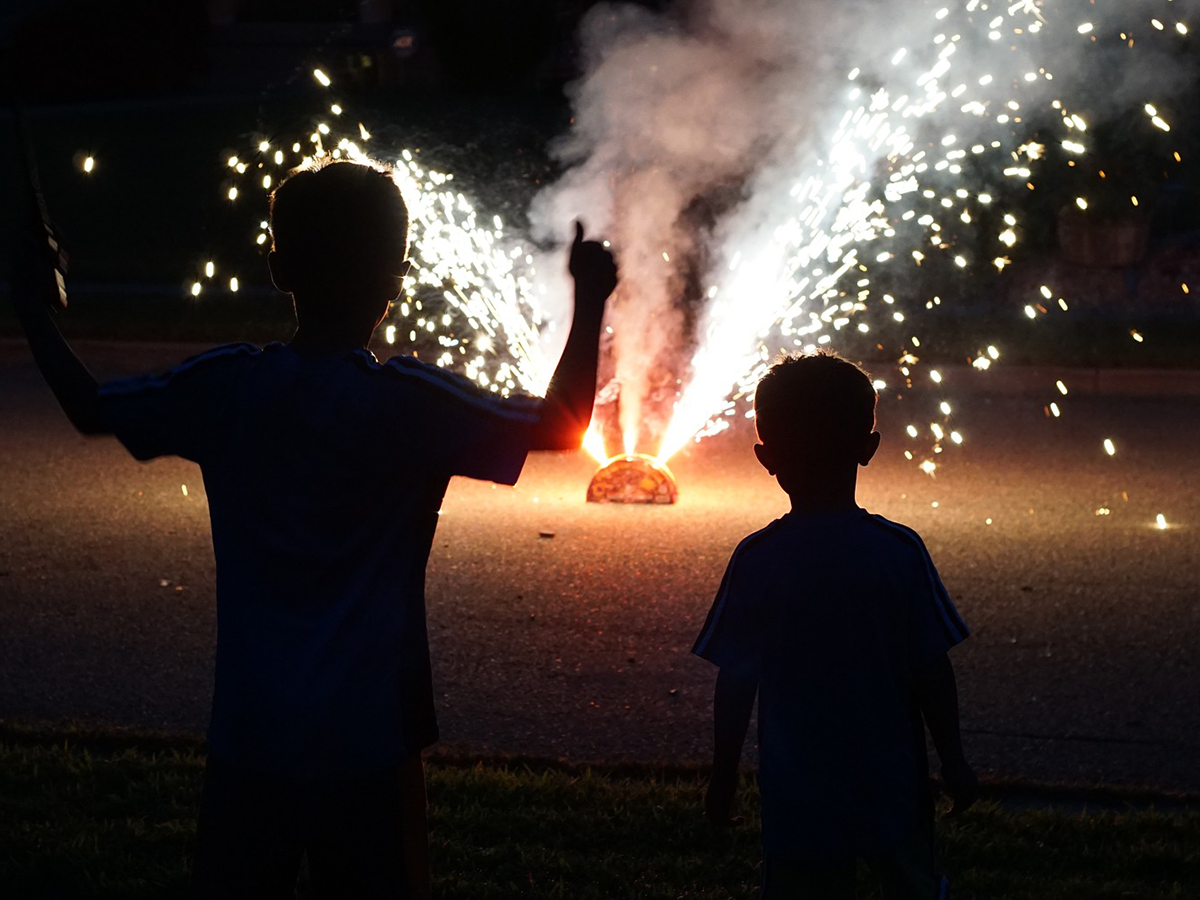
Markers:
(324, 478)
(831, 613)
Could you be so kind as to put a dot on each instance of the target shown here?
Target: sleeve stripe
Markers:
(955, 628)
(517, 409)
(157, 380)
(713, 623)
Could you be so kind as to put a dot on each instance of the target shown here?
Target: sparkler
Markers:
(925, 165)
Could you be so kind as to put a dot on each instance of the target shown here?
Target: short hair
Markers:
(818, 400)
(336, 220)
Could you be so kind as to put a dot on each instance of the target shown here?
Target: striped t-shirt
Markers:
(833, 615)
(324, 479)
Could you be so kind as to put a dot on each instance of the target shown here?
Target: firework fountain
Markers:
(772, 176)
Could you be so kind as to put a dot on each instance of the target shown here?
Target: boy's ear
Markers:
(278, 275)
(765, 457)
(870, 445)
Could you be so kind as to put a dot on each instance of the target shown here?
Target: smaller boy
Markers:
(838, 621)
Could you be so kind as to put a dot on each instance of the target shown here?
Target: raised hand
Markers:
(594, 270)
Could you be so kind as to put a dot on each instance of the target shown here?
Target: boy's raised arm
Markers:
(733, 702)
(36, 289)
(567, 409)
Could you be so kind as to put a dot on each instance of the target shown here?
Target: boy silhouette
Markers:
(324, 471)
(838, 621)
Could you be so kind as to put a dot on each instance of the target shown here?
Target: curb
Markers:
(1038, 382)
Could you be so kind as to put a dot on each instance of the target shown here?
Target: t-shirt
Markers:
(324, 478)
(832, 614)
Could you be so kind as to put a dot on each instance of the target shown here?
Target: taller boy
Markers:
(324, 471)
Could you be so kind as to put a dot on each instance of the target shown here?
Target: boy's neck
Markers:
(327, 342)
(827, 493)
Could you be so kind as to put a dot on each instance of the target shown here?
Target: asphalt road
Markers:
(1083, 665)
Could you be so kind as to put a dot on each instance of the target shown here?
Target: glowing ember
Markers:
(636, 478)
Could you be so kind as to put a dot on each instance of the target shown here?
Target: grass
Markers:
(114, 817)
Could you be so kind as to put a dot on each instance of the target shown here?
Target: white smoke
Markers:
(703, 147)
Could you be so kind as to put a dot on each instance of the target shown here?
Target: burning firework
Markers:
(633, 479)
(749, 217)
(842, 222)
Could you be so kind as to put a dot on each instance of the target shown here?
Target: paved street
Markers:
(1083, 665)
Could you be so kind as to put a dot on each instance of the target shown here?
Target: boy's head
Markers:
(814, 412)
(339, 233)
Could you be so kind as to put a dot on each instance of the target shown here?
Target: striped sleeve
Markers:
(733, 633)
(470, 431)
(176, 412)
(936, 625)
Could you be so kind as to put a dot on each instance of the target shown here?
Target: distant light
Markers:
(1161, 521)
(209, 269)
(195, 289)
(89, 164)
(233, 284)
(389, 334)
(233, 193)
(322, 78)
(1109, 447)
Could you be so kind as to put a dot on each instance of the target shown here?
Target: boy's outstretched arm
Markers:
(567, 409)
(36, 288)
(733, 702)
(937, 693)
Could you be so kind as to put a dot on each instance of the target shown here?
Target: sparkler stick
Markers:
(35, 205)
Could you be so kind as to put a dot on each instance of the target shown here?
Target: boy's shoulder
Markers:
(198, 364)
(793, 536)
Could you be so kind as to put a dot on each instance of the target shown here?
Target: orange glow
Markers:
(593, 443)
